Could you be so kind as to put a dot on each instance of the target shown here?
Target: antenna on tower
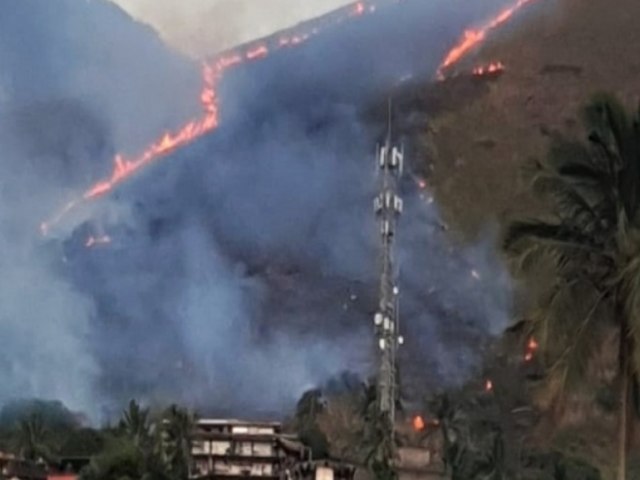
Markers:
(388, 207)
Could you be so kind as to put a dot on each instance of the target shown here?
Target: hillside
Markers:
(78, 80)
(81, 79)
(556, 56)
(474, 137)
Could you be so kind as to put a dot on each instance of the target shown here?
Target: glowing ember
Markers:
(474, 37)
(488, 386)
(418, 423)
(93, 241)
(531, 349)
(492, 68)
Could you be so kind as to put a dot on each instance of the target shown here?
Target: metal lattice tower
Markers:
(388, 208)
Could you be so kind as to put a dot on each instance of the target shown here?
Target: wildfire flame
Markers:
(474, 37)
(492, 68)
(212, 72)
(531, 349)
(418, 423)
(488, 386)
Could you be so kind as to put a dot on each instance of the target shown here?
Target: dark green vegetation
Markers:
(578, 261)
(145, 448)
(577, 257)
(591, 239)
(38, 429)
(141, 446)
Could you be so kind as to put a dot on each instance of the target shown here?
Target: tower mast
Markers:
(388, 207)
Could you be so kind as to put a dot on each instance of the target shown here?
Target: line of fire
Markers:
(411, 442)
(213, 71)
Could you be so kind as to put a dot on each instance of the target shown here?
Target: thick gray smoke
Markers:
(242, 268)
(201, 28)
(77, 80)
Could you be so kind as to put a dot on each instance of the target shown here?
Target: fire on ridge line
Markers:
(213, 72)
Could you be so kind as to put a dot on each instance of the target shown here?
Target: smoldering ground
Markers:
(243, 270)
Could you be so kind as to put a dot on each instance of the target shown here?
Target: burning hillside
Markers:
(214, 71)
(185, 275)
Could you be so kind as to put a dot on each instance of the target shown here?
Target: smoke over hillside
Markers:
(201, 28)
(243, 263)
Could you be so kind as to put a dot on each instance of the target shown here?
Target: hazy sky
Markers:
(202, 27)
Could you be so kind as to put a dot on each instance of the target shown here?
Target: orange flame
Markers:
(418, 423)
(212, 73)
(474, 37)
(531, 349)
(488, 386)
(492, 68)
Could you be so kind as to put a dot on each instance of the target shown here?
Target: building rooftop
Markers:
(235, 422)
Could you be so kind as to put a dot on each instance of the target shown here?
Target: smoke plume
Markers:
(201, 28)
(241, 270)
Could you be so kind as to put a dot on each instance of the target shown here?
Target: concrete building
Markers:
(234, 448)
(229, 449)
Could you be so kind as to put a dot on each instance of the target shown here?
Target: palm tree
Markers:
(474, 443)
(135, 424)
(310, 405)
(32, 439)
(120, 459)
(377, 435)
(177, 434)
(144, 449)
(592, 241)
(308, 409)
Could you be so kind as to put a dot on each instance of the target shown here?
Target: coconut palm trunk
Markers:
(623, 425)
(625, 400)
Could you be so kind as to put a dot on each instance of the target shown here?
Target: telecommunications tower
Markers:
(388, 208)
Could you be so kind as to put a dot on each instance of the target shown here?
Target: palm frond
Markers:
(574, 160)
(616, 136)
(607, 118)
(573, 204)
(593, 246)
(568, 337)
(530, 241)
